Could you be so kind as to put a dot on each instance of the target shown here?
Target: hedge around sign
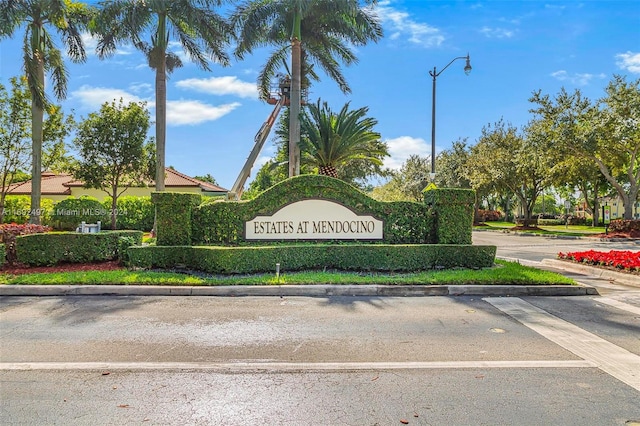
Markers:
(57, 247)
(216, 222)
(348, 257)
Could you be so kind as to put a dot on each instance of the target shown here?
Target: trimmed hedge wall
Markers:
(69, 213)
(174, 215)
(216, 222)
(453, 209)
(360, 257)
(57, 247)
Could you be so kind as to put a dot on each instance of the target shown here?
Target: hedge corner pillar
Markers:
(174, 211)
(453, 210)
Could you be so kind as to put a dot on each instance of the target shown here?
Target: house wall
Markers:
(135, 192)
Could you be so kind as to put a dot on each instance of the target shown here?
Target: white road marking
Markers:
(290, 366)
(618, 304)
(614, 360)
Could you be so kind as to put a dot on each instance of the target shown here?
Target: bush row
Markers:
(359, 257)
(3, 255)
(58, 247)
(134, 213)
(488, 215)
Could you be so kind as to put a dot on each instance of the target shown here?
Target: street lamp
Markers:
(434, 74)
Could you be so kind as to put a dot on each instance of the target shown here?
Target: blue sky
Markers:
(516, 47)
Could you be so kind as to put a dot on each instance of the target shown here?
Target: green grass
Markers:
(571, 230)
(504, 273)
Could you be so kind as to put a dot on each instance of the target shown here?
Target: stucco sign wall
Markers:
(314, 220)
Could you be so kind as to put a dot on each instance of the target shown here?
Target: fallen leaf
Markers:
(123, 406)
(415, 414)
(375, 378)
(480, 376)
(404, 422)
(106, 373)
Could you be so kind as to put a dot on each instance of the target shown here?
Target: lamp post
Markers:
(435, 74)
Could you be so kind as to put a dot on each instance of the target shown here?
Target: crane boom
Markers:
(259, 139)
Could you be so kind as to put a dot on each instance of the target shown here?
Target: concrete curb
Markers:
(616, 277)
(297, 290)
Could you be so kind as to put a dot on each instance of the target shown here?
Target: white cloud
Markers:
(227, 85)
(180, 113)
(401, 24)
(629, 61)
(403, 147)
(577, 78)
(496, 32)
(92, 98)
(141, 88)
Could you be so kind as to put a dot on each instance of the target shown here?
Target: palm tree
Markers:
(202, 33)
(316, 32)
(41, 55)
(332, 141)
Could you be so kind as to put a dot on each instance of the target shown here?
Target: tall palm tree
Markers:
(315, 30)
(332, 141)
(41, 19)
(202, 33)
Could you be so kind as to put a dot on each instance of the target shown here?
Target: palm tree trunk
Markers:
(161, 124)
(37, 119)
(294, 109)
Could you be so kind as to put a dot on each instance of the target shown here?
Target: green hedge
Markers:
(3, 255)
(174, 212)
(216, 222)
(57, 247)
(17, 208)
(133, 213)
(453, 209)
(69, 213)
(360, 257)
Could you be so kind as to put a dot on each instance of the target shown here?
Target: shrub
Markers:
(9, 232)
(367, 257)
(3, 255)
(69, 213)
(622, 225)
(18, 207)
(489, 215)
(58, 247)
(136, 213)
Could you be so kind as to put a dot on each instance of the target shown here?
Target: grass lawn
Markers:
(504, 273)
(571, 230)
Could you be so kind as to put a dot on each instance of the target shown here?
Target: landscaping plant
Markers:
(622, 259)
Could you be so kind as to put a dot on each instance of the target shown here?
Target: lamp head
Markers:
(467, 67)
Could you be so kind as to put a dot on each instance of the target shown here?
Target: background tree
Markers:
(58, 126)
(606, 134)
(335, 144)
(112, 150)
(511, 161)
(41, 55)
(315, 29)
(15, 121)
(206, 178)
(201, 32)
(452, 166)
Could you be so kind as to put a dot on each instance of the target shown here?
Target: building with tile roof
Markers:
(58, 186)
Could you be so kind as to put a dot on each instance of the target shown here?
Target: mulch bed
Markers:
(64, 267)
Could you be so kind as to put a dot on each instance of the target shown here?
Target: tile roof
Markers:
(60, 184)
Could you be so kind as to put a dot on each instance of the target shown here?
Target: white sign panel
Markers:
(314, 220)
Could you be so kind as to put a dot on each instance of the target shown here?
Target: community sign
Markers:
(314, 219)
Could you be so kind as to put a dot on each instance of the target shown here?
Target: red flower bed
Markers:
(620, 259)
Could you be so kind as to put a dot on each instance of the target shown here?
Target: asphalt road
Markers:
(107, 360)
